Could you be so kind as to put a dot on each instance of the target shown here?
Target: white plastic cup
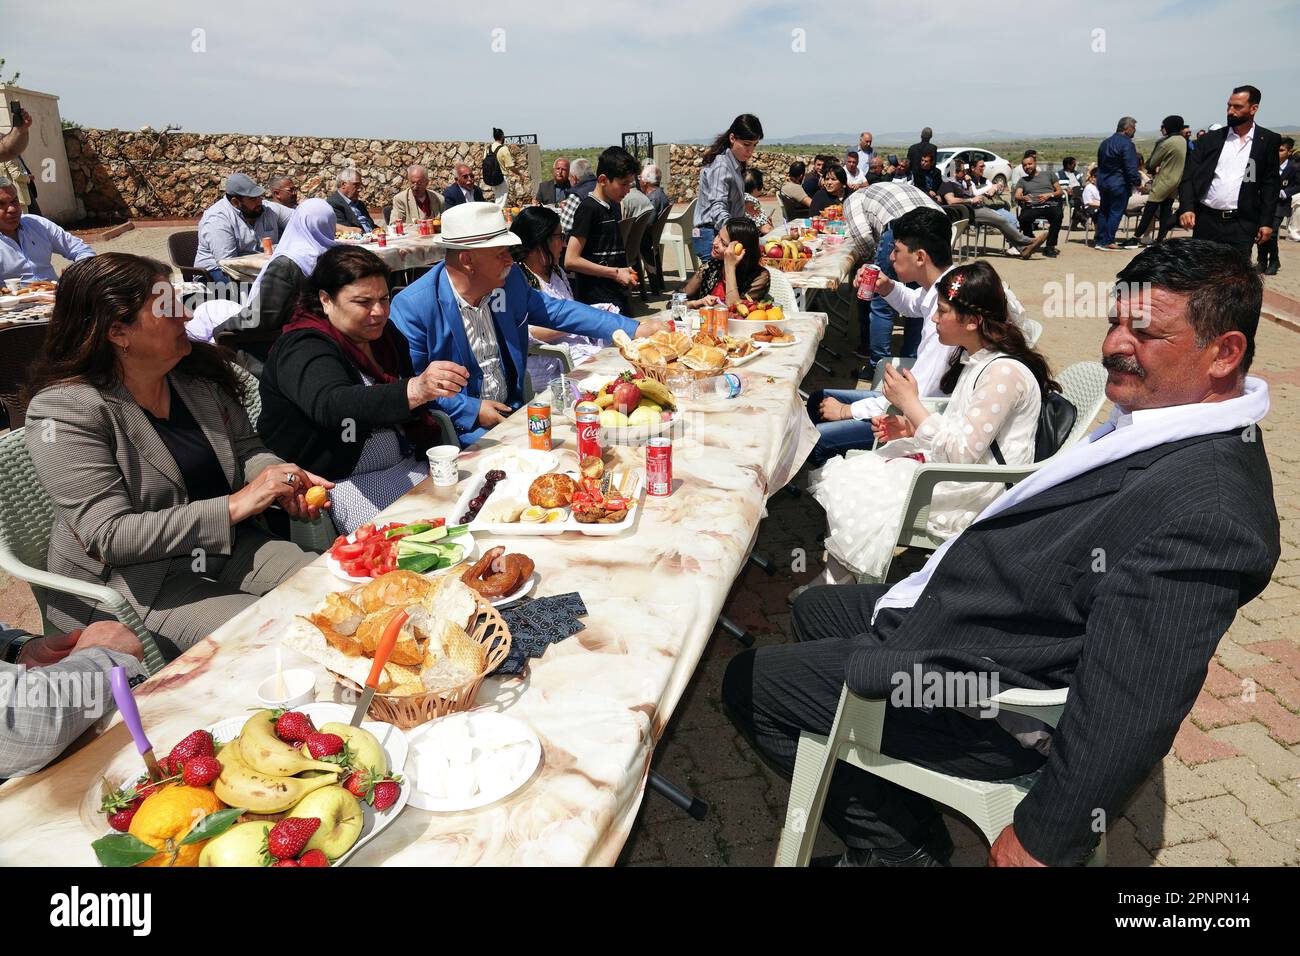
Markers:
(299, 689)
(443, 464)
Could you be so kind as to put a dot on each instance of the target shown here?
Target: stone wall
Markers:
(120, 175)
(686, 161)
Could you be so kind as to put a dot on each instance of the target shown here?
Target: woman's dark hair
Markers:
(1224, 293)
(839, 173)
(337, 267)
(743, 230)
(534, 226)
(753, 181)
(744, 126)
(980, 296)
(94, 294)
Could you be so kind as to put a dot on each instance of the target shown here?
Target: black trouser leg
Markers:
(773, 693)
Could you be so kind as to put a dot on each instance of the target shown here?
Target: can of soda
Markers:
(539, 425)
(399, 227)
(868, 276)
(383, 238)
(267, 245)
(588, 435)
(659, 467)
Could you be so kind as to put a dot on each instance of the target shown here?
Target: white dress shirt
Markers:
(932, 356)
(38, 239)
(1122, 435)
(1230, 170)
(482, 334)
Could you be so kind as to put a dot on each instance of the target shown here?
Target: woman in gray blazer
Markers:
(141, 440)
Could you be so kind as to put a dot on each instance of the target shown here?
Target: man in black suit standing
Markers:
(1230, 186)
(1289, 183)
(1114, 570)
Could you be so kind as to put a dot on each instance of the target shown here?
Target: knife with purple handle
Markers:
(131, 716)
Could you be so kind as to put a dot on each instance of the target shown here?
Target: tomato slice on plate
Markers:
(347, 552)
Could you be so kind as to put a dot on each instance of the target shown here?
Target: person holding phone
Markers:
(14, 143)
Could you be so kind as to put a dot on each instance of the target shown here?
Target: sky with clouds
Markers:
(579, 73)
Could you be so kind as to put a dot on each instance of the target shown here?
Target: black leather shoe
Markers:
(937, 851)
(1272, 269)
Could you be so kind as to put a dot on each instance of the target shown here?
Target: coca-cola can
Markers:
(659, 467)
(588, 434)
(867, 279)
(399, 228)
(382, 237)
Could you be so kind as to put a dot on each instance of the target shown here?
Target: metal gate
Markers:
(640, 145)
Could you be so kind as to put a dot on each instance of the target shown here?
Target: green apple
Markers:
(241, 845)
(365, 748)
(340, 816)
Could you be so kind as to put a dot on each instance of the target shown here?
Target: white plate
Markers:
(759, 347)
(391, 738)
(466, 541)
(519, 461)
(780, 345)
(519, 592)
(517, 488)
(427, 737)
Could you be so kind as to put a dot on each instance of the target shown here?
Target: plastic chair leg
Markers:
(813, 764)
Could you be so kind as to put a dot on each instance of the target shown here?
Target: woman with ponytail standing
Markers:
(721, 195)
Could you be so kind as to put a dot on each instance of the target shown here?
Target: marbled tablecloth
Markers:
(599, 701)
(402, 252)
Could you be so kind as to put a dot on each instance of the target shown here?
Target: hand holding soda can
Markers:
(866, 281)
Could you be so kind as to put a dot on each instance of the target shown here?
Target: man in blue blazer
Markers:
(464, 189)
(474, 308)
(1117, 178)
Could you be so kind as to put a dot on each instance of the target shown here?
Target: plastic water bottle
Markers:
(726, 385)
(679, 309)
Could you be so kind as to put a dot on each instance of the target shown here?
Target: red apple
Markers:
(773, 251)
(626, 397)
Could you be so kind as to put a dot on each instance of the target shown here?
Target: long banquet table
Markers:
(401, 252)
(598, 701)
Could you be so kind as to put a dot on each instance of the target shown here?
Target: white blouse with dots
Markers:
(996, 397)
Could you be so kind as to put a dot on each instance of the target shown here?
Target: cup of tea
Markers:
(443, 464)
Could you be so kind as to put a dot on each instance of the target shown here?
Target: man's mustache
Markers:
(1123, 363)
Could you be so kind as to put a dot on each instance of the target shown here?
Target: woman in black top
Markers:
(730, 275)
(835, 186)
(338, 389)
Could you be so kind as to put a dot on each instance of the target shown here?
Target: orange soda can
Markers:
(539, 425)
(267, 245)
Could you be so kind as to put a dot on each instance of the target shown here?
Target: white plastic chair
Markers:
(1083, 383)
(683, 222)
(958, 235)
(781, 291)
(855, 739)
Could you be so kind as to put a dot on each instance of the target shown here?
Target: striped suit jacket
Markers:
(121, 511)
(1118, 584)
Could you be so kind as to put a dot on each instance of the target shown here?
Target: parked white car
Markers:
(995, 167)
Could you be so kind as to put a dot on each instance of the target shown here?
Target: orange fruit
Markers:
(758, 315)
(775, 314)
(167, 816)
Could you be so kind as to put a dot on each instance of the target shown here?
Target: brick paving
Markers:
(1227, 794)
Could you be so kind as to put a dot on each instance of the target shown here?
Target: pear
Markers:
(364, 747)
(241, 845)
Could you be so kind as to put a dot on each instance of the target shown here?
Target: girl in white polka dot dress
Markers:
(996, 382)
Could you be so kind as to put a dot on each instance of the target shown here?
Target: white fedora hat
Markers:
(475, 225)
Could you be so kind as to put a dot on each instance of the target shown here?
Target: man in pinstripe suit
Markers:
(1114, 571)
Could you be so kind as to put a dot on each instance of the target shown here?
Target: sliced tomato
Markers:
(364, 532)
(438, 522)
(347, 552)
(341, 539)
(356, 569)
(615, 503)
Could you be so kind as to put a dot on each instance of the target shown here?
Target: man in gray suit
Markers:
(1114, 570)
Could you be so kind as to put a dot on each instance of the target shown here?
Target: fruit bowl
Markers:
(786, 265)
(635, 434)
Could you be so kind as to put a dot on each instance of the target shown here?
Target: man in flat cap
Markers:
(235, 225)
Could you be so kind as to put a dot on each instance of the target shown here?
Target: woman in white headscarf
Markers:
(274, 295)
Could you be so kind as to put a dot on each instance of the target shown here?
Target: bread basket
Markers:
(489, 629)
(662, 373)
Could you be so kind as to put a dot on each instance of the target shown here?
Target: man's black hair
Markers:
(1252, 93)
(616, 162)
(928, 230)
(797, 169)
(1224, 293)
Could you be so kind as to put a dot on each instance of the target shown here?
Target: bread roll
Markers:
(551, 491)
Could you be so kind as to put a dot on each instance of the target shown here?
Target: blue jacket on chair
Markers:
(427, 313)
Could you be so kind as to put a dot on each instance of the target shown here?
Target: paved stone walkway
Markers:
(1228, 793)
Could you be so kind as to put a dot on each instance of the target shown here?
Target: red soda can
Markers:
(659, 467)
(399, 227)
(382, 236)
(539, 425)
(267, 245)
(588, 435)
(867, 279)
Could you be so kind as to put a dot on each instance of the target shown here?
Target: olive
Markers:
(495, 475)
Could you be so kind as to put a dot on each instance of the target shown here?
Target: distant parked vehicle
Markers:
(996, 169)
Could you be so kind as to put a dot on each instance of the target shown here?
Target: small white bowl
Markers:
(299, 686)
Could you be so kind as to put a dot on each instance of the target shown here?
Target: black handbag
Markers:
(1056, 418)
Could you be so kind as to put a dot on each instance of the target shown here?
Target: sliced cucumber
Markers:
(428, 535)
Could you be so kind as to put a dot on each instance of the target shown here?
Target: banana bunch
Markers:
(258, 769)
(656, 391)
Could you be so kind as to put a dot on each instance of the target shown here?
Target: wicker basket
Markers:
(786, 265)
(489, 629)
(661, 373)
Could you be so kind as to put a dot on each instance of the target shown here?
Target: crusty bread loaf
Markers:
(551, 491)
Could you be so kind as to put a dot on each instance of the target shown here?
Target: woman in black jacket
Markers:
(339, 390)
